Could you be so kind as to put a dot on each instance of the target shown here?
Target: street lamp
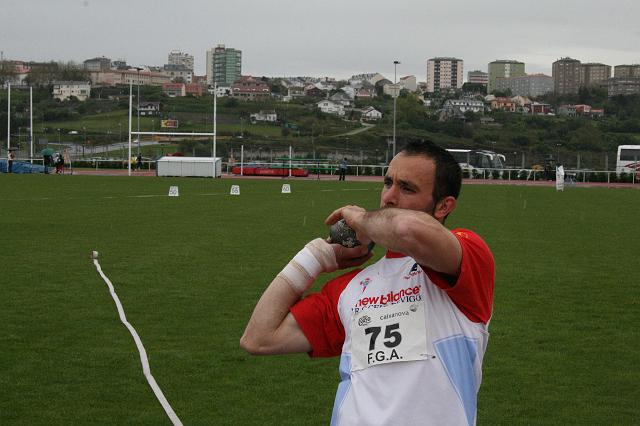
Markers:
(138, 135)
(395, 99)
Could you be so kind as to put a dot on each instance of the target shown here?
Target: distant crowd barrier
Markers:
(571, 176)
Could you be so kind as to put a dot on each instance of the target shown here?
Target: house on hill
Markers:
(265, 116)
(329, 107)
(342, 98)
(371, 114)
(63, 90)
(148, 109)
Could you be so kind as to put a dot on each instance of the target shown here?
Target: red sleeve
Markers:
(319, 319)
(472, 292)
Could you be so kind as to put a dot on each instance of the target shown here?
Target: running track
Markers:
(148, 173)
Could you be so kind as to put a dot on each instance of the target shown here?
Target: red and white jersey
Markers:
(411, 342)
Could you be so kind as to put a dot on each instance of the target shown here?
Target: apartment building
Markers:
(504, 68)
(566, 76)
(176, 57)
(623, 86)
(529, 85)
(627, 71)
(478, 77)
(97, 64)
(224, 65)
(594, 74)
(444, 73)
(175, 71)
(64, 90)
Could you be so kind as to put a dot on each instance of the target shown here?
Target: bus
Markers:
(474, 161)
(628, 159)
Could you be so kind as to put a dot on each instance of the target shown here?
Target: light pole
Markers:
(395, 99)
(138, 135)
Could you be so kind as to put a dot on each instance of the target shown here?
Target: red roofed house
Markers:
(174, 90)
(536, 108)
(504, 104)
(249, 88)
(194, 89)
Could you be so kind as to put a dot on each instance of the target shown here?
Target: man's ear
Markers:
(444, 207)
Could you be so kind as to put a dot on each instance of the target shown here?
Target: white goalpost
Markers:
(139, 133)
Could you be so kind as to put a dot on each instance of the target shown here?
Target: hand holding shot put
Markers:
(402, 324)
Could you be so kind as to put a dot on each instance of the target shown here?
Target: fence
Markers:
(572, 176)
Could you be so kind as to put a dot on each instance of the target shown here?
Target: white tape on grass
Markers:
(143, 353)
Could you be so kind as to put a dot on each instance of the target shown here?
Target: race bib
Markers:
(394, 333)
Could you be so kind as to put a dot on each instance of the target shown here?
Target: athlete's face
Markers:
(409, 182)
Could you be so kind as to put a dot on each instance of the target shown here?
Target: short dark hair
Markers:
(448, 172)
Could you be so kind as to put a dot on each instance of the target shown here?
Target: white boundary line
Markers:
(143, 353)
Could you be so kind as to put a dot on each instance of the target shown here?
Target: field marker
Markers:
(143, 353)
(286, 188)
(173, 191)
(235, 190)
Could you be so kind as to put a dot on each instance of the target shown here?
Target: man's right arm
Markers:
(272, 329)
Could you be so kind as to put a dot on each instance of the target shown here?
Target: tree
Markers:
(6, 72)
(474, 88)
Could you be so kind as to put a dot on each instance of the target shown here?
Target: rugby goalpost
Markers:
(139, 133)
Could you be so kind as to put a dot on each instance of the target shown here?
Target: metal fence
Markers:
(571, 175)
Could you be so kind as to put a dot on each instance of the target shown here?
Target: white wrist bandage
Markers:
(316, 257)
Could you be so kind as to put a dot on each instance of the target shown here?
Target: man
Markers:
(10, 158)
(343, 169)
(139, 162)
(411, 329)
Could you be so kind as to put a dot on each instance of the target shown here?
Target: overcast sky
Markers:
(325, 38)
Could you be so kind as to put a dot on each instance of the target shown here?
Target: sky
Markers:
(334, 38)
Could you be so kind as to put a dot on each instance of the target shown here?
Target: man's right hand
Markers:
(351, 257)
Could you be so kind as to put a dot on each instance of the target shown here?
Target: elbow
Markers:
(252, 346)
(249, 345)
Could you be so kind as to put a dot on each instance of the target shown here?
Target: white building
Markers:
(63, 90)
(409, 83)
(444, 74)
(371, 114)
(267, 116)
(464, 105)
(330, 107)
(177, 57)
(149, 108)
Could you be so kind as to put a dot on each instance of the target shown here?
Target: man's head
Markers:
(425, 177)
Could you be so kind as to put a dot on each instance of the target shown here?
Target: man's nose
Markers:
(390, 197)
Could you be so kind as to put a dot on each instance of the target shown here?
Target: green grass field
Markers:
(564, 348)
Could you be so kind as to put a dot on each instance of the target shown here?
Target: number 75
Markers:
(392, 336)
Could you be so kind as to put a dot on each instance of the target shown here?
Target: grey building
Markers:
(529, 85)
(594, 74)
(97, 64)
(504, 68)
(626, 71)
(623, 86)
